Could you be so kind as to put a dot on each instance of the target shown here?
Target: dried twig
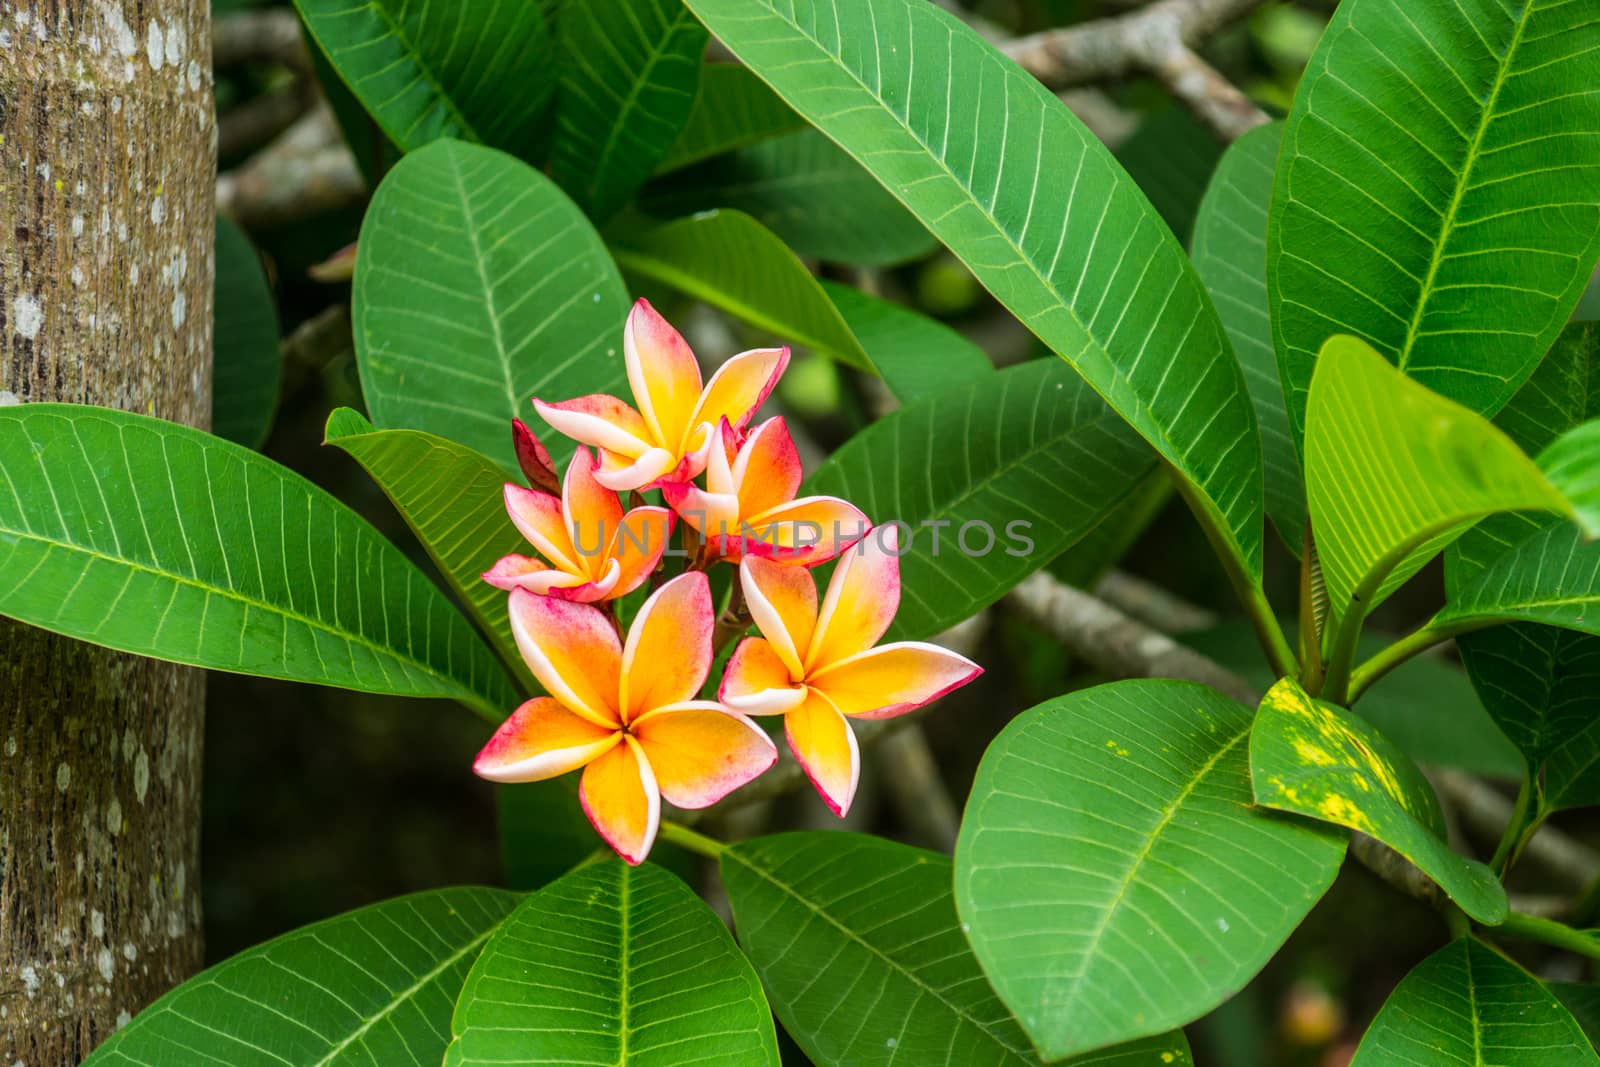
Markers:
(271, 35)
(305, 172)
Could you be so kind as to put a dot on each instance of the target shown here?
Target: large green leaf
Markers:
(1321, 761)
(1552, 577)
(732, 262)
(1000, 171)
(478, 286)
(618, 965)
(1172, 155)
(1395, 472)
(809, 192)
(995, 476)
(628, 74)
(1113, 875)
(1439, 191)
(156, 539)
(733, 109)
(247, 368)
(916, 355)
(373, 986)
(1467, 1004)
(477, 70)
(453, 500)
(1230, 255)
(857, 942)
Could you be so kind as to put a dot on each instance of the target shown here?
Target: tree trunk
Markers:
(107, 179)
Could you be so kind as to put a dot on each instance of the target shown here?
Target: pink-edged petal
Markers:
(783, 602)
(807, 531)
(618, 793)
(862, 597)
(591, 513)
(648, 469)
(767, 470)
(541, 740)
(757, 682)
(527, 572)
(601, 588)
(534, 459)
(668, 653)
(700, 753)
(712, 514)
(600, 421)
(538, 518)
(574, 652)
(740, 386)
(642, 537)
(821, 739)
(893, 679)
(662, 371)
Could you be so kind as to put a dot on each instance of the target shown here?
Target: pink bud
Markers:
(534, 459)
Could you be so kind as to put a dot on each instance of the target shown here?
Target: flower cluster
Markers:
(626, 707)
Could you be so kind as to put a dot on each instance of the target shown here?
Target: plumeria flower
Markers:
(670, 436)
(748, 506)
(588, 548)
(625, 713)
(816, 668)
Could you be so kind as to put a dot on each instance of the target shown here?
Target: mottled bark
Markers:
(107, 173)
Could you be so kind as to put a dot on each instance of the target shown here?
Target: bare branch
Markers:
(306, 172)
(266, 36)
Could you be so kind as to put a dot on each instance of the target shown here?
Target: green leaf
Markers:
(453, 500)
(1230, 255)
(373, 151)
(1087, 561)
(628, 74)
(1002, 173)
(916, 355)
(1439, 192)
(995, 477)
(153, 538)
(1395, 472)
(1552, 577)
(734, 109)
(372, 986)
(543, 831)
(1115, 879)
(475, 70)
(809, 192)
(729, 260)
(1171, 155)
(1582, 999)
(247, 370)
(1467, 1004)
(478, 286)
(1317, 760)
(613, 964)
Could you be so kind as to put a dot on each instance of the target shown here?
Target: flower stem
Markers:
(1526, 816)
(682, 836)
(1534, 928)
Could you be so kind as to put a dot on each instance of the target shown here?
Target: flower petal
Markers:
(643, 472)
(893, 679)
(537, 517)
(530, 573)
(541, 740)
(767, 470)
(757, 682)
(700, 753)
(574, 652)
(642, 536)
(601, 588)
(600, 421)
(740, 386)
(823, 742)
(862, 597)
(619, 794)
(713, 512)
(668, 653)
(807, 531)
(591, 513)
(783, 602)
(534, 459)
(663, 373)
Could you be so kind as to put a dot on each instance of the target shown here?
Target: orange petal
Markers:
(893, 679)
(541, 740)
(700, 753)
(591, 513)
(807, 531)
(653, 466)
(767, 471)
(713, 514)
(757, 682)
(619, 794)
(582, 592)
(862, 597)
(823, 742)
(663, 373)
(783, 602)
(537, 517)
(600, 421)
(574, 652)
(642, 536)
(668, 653)
(739, 387)
(525, 572)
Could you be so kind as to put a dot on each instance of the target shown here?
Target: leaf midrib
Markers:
(483, 279)
(410, 49)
